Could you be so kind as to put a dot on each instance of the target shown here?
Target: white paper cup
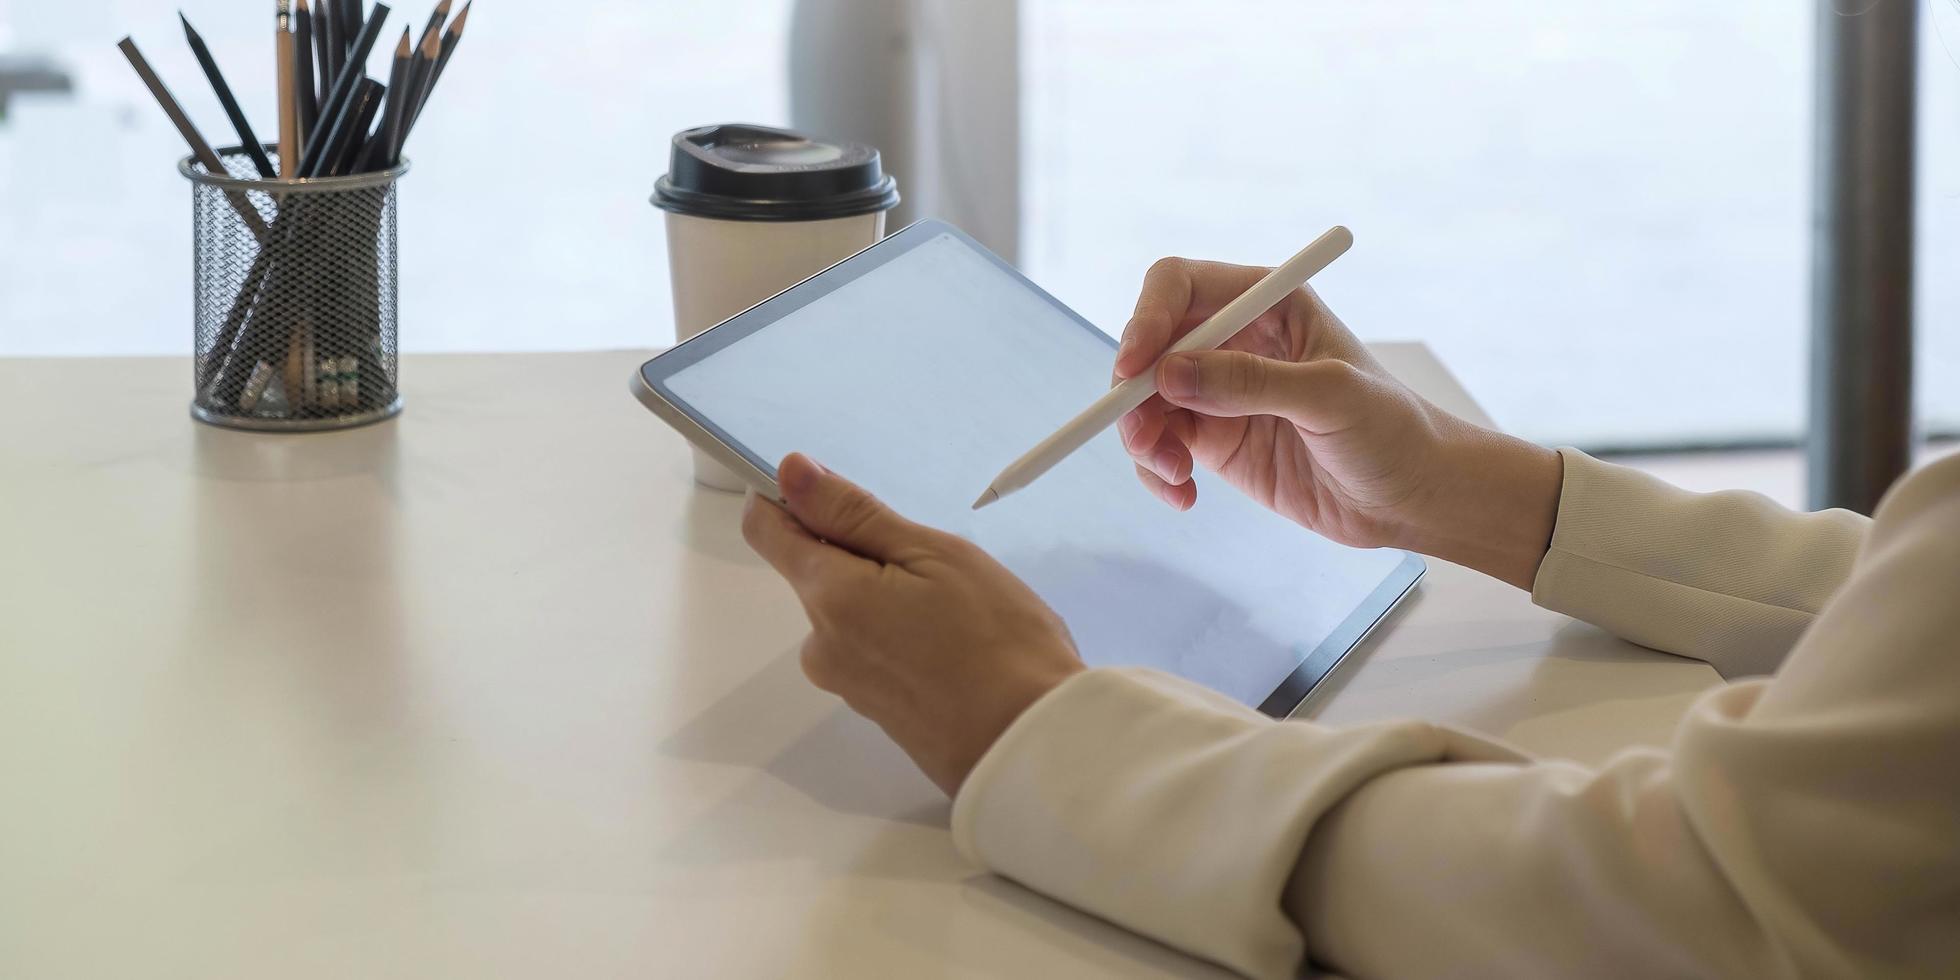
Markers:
(752, 211)
(721, 268)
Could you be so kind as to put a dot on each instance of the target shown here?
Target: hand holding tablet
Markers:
(914, 628)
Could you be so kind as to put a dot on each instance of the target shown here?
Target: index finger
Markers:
(1177, 294)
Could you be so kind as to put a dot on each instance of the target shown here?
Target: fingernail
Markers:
(1127, 426)
(1123, 348)
(1178, 377)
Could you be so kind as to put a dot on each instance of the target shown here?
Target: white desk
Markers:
(491, 690)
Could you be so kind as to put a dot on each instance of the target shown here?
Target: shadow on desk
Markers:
(877, 819)
(777, 723)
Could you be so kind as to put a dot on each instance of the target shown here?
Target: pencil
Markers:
(351, 16)
(339, 103)
(366, 103)
(450, 39)
(309, 97)
(334, 144)
(419, 66)
(199, 149)
(375, 155)
(435, 22)
(325, 29)
(238, 122)
(289, 151)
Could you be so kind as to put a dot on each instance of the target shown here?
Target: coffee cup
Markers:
(752, 211)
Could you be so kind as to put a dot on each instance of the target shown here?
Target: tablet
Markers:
(923, 364)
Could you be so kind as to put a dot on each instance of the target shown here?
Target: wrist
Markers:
(1494, 504)
(1018, 690)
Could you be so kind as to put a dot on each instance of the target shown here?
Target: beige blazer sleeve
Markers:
(1731, 578)
(1807, 825)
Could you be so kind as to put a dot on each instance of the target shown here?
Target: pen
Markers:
(1229, 320)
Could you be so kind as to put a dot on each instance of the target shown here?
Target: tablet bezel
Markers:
(650, 387)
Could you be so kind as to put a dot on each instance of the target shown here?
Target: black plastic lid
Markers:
(739, 172)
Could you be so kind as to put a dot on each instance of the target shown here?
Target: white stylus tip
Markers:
(986, 498)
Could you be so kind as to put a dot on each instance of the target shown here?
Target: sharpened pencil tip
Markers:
(986, 498)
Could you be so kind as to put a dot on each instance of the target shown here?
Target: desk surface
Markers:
(492, 690)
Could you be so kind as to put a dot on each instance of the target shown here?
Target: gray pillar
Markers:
(1860, 436)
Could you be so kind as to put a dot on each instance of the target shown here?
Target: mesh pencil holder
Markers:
(295, 297)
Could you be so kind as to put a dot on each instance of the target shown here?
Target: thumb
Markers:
(1319, 396)
(841, 512)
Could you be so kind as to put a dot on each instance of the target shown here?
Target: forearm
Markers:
(1493, 506)
(1400, 849)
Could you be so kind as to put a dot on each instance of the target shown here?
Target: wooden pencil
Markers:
(288, 74)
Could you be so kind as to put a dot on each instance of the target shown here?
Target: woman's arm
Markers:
(1295, 413)
(1801, 826)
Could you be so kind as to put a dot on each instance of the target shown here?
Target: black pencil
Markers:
(334, 141)
(366, 103)
(450, 39)
(238, 122)
(351, 18)
(418, 81)
(375, 155)
(325, 29)
(435, 22)
(309, 97)
(340, 102)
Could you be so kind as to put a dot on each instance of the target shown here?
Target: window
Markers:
(524, 221)
(1597, 213)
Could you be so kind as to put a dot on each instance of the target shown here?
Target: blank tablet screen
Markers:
(921, 367)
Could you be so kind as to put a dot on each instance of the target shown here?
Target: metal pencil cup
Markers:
(295, 298)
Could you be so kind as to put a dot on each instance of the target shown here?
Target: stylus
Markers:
(1229, 320)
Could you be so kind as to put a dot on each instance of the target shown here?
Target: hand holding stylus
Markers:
(1224, 322)
(1296, 413)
